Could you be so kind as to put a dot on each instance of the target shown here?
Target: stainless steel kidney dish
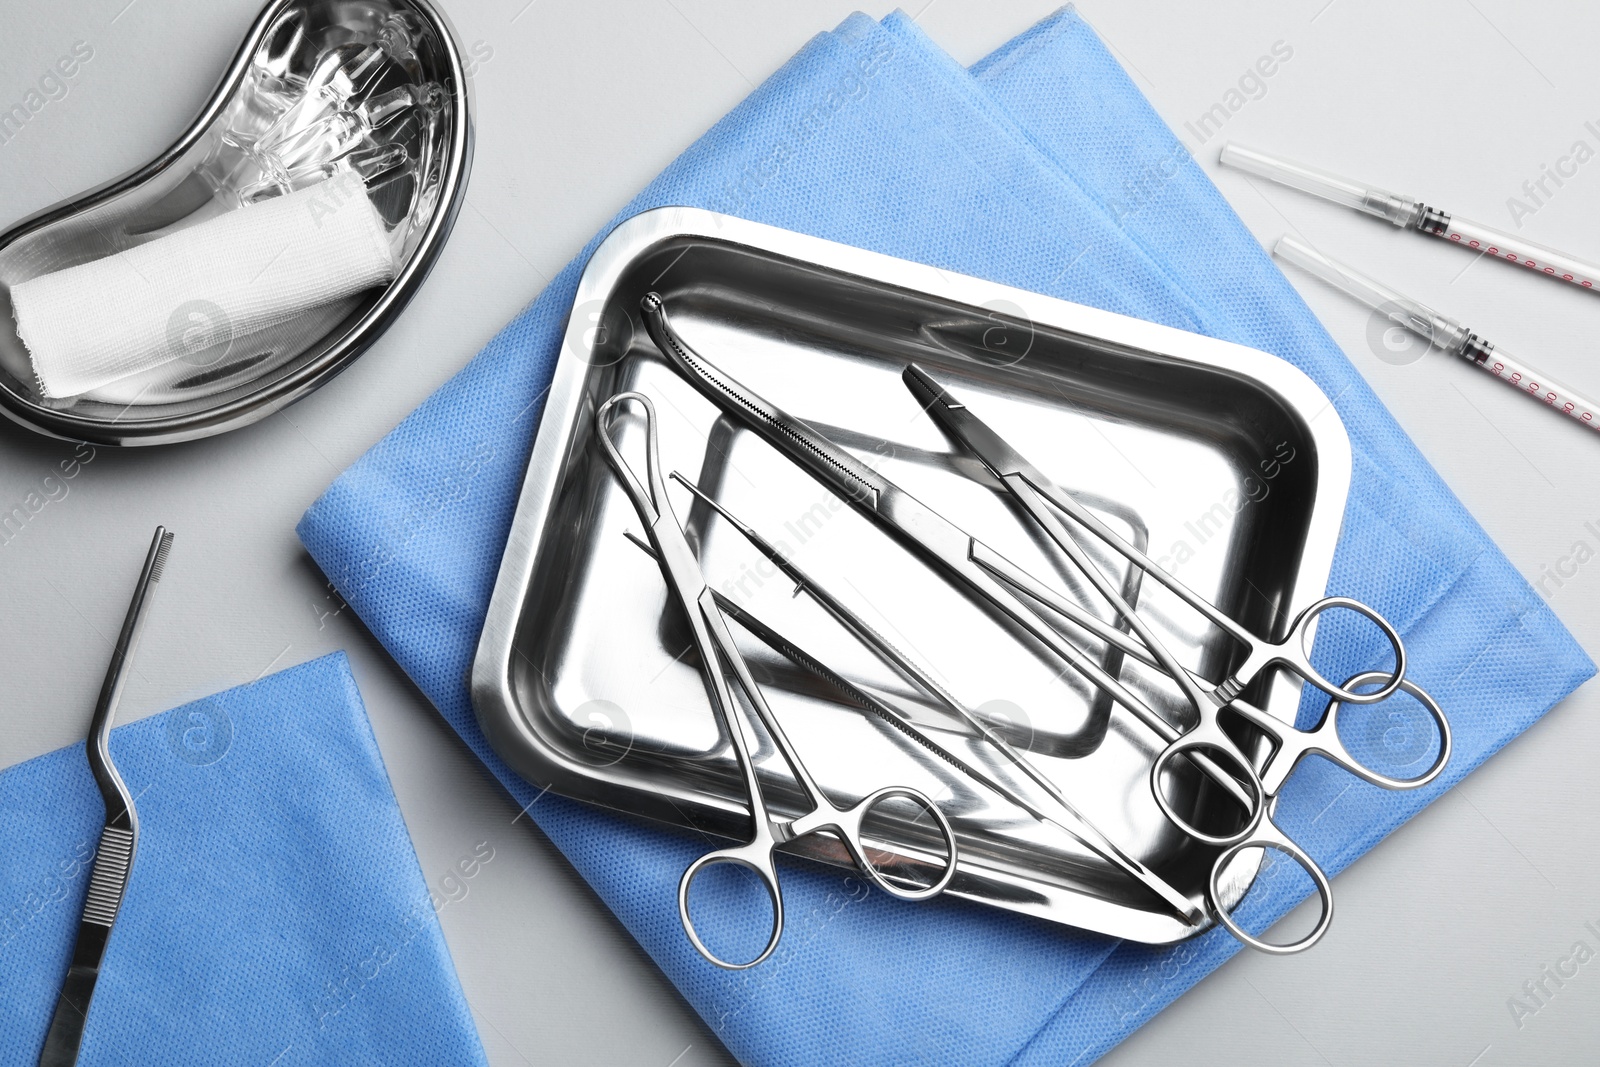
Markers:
(1229, 464)
(320, 91)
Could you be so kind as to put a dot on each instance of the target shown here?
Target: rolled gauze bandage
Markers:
(195, 293)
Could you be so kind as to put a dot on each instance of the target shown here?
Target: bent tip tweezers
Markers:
(113, 861)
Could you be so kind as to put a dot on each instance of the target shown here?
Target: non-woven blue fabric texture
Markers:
(276, 913)
(1043, 167)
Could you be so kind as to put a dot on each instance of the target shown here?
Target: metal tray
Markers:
(279, 365)
(1228, 462)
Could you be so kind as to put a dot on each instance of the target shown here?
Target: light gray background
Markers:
(581, 103)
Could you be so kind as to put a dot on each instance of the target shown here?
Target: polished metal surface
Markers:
(550, 974)
(1227, 462)
(718, 653)
(1060, 812)
(1204, 742)
(119, 837)
(206, 169)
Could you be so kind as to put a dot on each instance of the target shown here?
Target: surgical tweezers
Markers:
(963, 558)
(1041, 499)
(718, 655)
(1066, 818)
(119, 839)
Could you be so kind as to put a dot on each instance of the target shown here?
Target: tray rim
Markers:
(493, 699)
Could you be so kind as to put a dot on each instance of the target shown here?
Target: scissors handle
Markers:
(759, 856)
(824, 816)
(1209, 746)
(1266, 835)
(846, 825)
(1293, 745)
(1291, 653)
(756, 855)
(687, 585)
(1289, 746)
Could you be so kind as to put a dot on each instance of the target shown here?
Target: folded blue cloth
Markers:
(276, 914)
(1044, 168)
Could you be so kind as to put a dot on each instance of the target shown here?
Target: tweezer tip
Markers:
(162, 548)
(678, 477)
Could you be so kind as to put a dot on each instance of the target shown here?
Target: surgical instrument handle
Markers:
(1004, 462)
(686, 585)
(1075, 823)
(927, 533)
(119, 837)
(1070, 820)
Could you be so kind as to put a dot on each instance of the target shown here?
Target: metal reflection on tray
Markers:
(1226, 462)
(1205, 746)
(716, 651)
(371, 92)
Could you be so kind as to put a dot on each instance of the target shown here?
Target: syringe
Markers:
(1437, 329)
(1407, 213)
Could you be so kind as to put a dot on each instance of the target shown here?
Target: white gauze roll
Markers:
(190, 294)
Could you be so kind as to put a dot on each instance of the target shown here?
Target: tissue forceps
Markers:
(1032, 489)
(119, 839)
(1037, 494)
(961, 557)
(1067, 818)
(715, 645)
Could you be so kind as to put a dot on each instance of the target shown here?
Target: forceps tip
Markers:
(641, 542)
(701, 494)
(917, 378)
(163, 546)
